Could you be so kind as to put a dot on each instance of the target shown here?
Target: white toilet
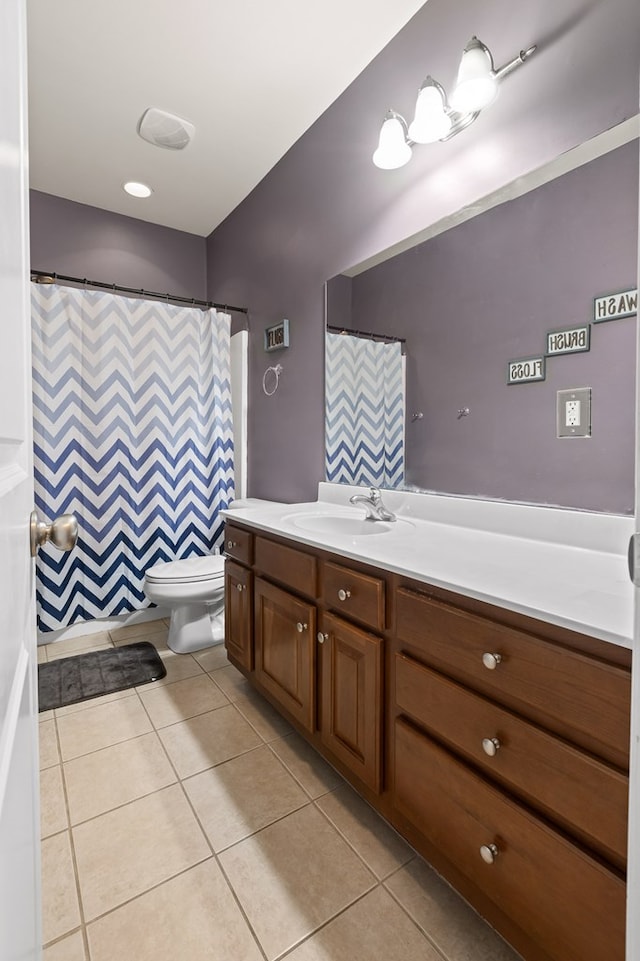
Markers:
(194, 591)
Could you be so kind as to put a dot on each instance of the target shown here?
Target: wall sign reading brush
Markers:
(277, 337)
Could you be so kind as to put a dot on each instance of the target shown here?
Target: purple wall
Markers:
(325, 207)
(471, 299)
(82, 241)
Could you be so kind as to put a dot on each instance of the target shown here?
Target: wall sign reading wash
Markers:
(615, 306)
(525, 369)
(570, 340)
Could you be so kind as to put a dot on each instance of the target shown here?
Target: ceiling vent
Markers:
(165, 129)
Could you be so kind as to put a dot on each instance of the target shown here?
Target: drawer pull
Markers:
(490, 746)
(491, 661)
(344, 595)
(488, 853)
(300, 627)
(231, 545)
(240, 587)
(322, 637)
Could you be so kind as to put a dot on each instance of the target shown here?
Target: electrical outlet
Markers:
(573, 412)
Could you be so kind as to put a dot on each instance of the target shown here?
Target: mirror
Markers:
(486, 291)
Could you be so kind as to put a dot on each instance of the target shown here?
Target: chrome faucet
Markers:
(372, 503)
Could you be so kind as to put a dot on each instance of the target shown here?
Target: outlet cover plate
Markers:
(573, 412)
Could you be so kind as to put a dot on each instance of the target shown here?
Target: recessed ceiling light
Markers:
(137, 189)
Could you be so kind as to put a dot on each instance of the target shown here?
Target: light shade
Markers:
(136, 189)
(431, 121)
(476, 86)
(393, 150)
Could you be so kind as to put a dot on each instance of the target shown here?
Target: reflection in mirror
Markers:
(488, 291)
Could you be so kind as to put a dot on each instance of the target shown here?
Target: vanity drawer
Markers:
(238, 544)
(577, 696)
(566, 901)
(585, 796)
(288, 565)
(355, 595)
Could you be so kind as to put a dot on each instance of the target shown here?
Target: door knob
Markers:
(63, 532)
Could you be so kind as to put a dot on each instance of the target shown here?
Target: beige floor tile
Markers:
(142, 631)
(294, 876)
(127, 851)
(106, 779)
(259, 713)
(69, 949)
(176, 702)
(373, 929)
(93, 702)
(447, 920)
(53, 808)
(177, 666)
(78, 645)
(101, 726)
(312, 771)
(213, 658)
(208, 739)
(232, 682)
(241, 796)
(46, 715)
(193, 917)
(49, 754)
(42, 653)
(379, 846)
(60, 911)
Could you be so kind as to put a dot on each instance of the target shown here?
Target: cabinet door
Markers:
(285, 630)
(351, 722)
(238, 608)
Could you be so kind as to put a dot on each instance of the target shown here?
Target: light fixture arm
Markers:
(522, 57)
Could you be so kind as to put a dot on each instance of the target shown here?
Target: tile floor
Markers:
(185, 819)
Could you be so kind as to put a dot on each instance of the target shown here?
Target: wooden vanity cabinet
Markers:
(497, 744)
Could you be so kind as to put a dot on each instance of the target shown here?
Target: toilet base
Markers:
(195, 627)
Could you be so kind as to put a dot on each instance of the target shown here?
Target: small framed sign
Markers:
(277, 337)
(525, 370)
(568, 340)
(615, 306)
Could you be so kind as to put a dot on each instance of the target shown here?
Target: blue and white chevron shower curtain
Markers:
(364, 399)
(133, 434)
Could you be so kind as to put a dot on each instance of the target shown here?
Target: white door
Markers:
(19, 808)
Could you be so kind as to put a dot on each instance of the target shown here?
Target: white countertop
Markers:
(565, 567)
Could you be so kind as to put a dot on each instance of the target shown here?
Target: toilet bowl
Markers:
(193, 589)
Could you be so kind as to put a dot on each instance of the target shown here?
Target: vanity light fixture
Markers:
(136, 189)
(437, 119)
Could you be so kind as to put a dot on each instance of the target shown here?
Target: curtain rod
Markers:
(48, 277)
(367, 333)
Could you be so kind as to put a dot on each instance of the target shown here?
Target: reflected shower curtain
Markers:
(133, 434)
(364, 398)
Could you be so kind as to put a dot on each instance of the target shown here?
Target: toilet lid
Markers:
(188, 571)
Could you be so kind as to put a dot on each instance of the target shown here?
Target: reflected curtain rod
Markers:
(367, 333)
(48, 276)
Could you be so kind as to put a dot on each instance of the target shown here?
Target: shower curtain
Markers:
(132, 434)
(364, 398)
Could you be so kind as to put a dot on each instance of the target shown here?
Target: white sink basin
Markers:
(347, 524)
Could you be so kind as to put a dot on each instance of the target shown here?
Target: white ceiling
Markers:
(251, 75)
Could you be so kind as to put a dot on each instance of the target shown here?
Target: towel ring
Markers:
(276, 371)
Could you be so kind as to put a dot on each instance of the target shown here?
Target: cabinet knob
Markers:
(300, 627)
(240, 587)
(490, 746)
(322, 637)
(491, 661)
(231, 545)
(343, 595)
(488, 853)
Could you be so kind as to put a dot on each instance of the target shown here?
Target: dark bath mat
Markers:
(73, 679)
